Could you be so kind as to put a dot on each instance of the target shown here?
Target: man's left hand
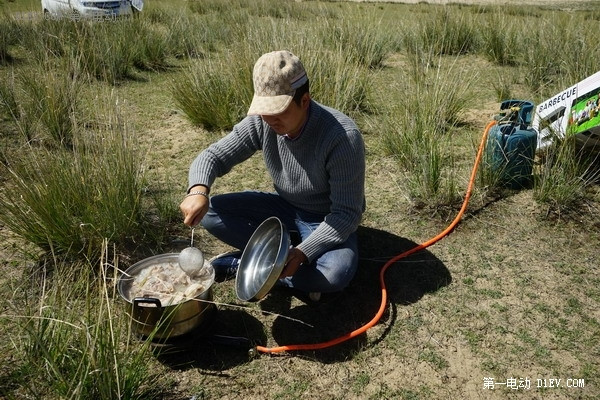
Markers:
(295, 259)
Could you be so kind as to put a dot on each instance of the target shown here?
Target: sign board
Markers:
(572, 111)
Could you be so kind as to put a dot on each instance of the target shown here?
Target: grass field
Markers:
(100, 121)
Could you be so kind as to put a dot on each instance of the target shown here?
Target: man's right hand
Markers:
(194, 207)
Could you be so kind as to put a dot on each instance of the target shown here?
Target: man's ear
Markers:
(305, 100)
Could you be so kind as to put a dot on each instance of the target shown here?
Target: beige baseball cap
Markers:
(276, 77)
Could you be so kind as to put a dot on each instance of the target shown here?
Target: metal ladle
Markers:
(191, 259)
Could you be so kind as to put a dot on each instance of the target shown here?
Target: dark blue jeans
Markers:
(233, 218)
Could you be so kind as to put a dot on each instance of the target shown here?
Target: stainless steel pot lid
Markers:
(263, 260)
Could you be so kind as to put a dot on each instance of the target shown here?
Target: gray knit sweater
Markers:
(322, 171)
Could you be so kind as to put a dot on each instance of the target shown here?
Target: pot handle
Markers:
(146, 300)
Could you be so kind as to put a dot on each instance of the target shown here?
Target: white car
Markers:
(91, 8)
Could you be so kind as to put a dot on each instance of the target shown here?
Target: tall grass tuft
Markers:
(216, 6)
(564, 175)
(109, 50)
(103, 53)
(75, 341)
(337, 80)
(449, 32)
(151, 45)
(69, 201)
(581, 53)
(9, 35)
(284, 9)
(420, 59)
(541, 71)
(416, 134)
(49, 38)
(42, 104)
(215, 93)
(366, 39)
(18, 112)
(500, 37)
(112, 50)
(55, 95)
(502, 86)
(420, 151)
(191, 36)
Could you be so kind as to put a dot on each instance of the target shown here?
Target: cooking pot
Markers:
(150, 318)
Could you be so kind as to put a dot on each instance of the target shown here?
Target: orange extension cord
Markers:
(370, 324)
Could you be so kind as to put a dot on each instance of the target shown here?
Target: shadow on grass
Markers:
(335, 315)
(407, 281)
(222, 342)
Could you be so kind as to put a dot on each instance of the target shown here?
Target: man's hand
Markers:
(194, 207)
(294, 260)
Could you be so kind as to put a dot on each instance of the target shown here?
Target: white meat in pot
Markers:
(168, 283)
